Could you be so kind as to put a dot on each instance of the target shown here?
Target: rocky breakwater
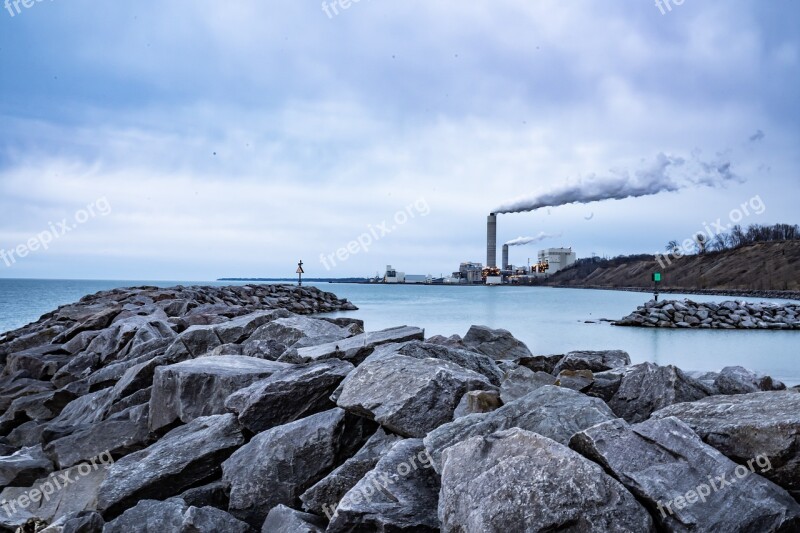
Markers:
(207, 410)
(709, 315)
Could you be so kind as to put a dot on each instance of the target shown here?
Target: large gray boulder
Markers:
(240, 328)
(747, 426)
(199, 387)
(23, 467)
(278, 465)
(540, 363)
(330, 490)
(686, 484)
(271, 340)
(496, 343)
(183, 458)
(407, 395)
(174, 516)
(477, 362)
(52, 498)
(596, 361)
(647, 387)
(282, 519)
(553, 412)
(739, 380)
(522, 381)
(288, 395)
(354, 349)
(120, 434)
(399, 494)
(516, 480)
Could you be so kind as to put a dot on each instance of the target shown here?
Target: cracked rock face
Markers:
(407, 395)
(746, 426)
(399, 494)
(687, 484)
(516, 480)
(554, 412)
(278, 465)
(177, 388)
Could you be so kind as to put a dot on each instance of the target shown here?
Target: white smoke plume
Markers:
(519, 241)
(666, 174)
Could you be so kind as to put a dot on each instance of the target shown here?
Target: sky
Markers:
(179, 140)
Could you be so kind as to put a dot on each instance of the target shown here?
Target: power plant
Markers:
(549, 261)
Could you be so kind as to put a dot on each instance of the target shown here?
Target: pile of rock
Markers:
(708, 315)
(132, 418)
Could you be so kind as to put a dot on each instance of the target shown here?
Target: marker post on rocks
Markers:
(300, 273)
(656, 281)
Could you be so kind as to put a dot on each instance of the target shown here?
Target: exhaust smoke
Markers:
(665, 174)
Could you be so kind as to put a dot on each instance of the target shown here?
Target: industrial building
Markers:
(393, 276)
(557, 258)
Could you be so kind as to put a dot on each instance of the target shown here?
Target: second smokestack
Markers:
(505, 257)
(491, 241)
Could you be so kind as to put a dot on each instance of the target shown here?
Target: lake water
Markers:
(548, 320)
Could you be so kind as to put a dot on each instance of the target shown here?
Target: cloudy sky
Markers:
(220, 139)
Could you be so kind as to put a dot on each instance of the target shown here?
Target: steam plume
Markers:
(665, 174)
(519, 241)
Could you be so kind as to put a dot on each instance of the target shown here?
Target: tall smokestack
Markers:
(505, 257)
(491, 241)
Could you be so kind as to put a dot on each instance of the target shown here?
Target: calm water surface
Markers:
(547, 320)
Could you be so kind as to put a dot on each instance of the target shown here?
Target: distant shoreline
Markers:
(733, 293)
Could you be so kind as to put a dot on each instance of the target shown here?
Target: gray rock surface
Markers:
(282, 519)
(354, 349)
(521, 381)
(81, 495)
(329, 491)
(174, 515)
(553, 412)
(496, 343)
(278, 465)
(666, 465)
(406, 395)
(23, 467)
(399, 494)
(288, 395)
(477, 362)
(579, 380)
(272, 340)
(177, 388)
(183, 458)
(596, 361)
(478, 401)
(516, 480)
(747, 426)
(119, 434)
(739, 380)
(540, 363)
(647, 387)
